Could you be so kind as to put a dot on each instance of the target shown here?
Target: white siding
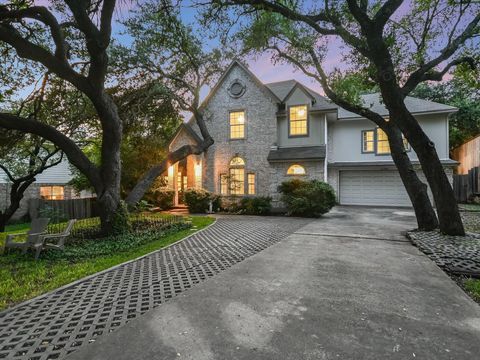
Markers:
(316, 132)
(346, 139)
(59, 174)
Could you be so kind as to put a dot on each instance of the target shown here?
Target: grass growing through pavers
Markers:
(473, 287)
(22, 278)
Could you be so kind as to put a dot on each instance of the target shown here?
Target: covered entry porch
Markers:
(184, 174)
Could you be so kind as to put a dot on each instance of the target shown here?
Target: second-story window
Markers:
(368, 141)
(383, 147)
(382, 144)
(237, 125)
(298, 120)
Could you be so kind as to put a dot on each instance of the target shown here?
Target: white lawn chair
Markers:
(59, 239)
(34, 236)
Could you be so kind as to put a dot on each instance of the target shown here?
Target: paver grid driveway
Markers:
(61, 322)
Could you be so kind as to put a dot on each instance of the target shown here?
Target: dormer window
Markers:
(298, 120)
(237, 125)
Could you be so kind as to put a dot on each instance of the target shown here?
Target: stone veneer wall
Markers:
(261, 132)
(314, 170)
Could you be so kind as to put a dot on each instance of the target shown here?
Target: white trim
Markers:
(325, 161)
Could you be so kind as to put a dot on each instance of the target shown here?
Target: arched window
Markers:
(237, 161)
(237, 176)
(296, 170)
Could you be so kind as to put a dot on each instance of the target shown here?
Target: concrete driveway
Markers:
(347, 286)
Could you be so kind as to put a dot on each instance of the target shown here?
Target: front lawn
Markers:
(22, 278)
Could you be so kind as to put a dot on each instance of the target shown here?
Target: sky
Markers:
(261, 66)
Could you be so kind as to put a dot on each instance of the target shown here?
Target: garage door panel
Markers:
(372, 187)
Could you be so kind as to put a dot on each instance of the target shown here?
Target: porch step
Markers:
(179, 210)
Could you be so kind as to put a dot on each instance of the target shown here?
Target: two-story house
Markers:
(268, 133)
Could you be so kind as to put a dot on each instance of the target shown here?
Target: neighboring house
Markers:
(468, 155)
(268, 133)
(52, 184)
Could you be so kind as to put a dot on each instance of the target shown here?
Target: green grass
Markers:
(469, 207)
(473, 287)
(22, 278)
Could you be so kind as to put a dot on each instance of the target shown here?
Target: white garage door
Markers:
(372, 187)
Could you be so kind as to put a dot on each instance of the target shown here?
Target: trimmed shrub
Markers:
(216, 202)
(162, 198)
(307, 198)
(258, 205)
(197, 200)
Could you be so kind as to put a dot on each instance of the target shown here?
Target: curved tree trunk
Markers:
(449, 218)
(16, 195)
(447, 207)
(416, 189)
(113, 218)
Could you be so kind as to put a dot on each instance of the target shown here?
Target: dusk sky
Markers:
(262, 66)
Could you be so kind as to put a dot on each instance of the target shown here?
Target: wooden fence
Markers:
(63, 209)
(466, 186)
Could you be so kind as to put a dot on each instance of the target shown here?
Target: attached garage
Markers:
(372, 187)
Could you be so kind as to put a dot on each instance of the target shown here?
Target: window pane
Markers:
(237, 125)
(251, 184)
(237, 181)
(298, 120)
(383, 146)
(368, 141)
(237, 161)
(52, 192)
(296, 170)
(223, 184)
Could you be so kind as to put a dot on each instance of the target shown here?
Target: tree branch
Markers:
(385, 12)
(27, 50)
(43, 15)
(71, 150)
(419, 75)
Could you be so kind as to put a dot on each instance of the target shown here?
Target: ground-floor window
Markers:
(296, 169)
(52, 192)
(251, 184)
(223, 184)
(237, 181)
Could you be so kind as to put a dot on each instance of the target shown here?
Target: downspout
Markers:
(325, 162)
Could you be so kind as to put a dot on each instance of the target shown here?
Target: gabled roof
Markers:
(297, 153)
(283, 89)
(414, 105)
(189, 131)
(244, 68)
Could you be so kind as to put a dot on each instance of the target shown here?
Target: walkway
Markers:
(63, 321)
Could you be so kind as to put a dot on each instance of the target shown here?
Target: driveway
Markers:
(347, 286)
